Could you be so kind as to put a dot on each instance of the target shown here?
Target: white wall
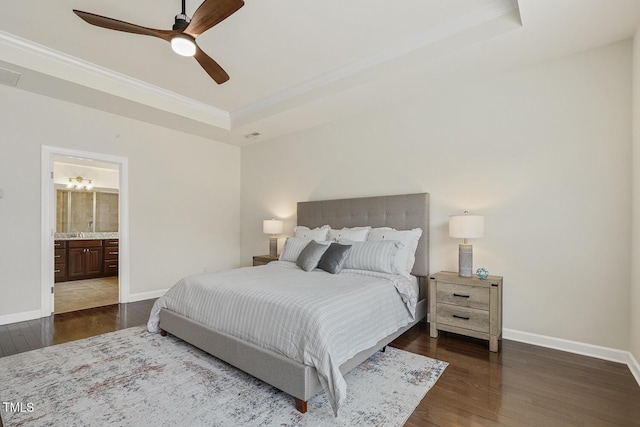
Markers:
(184, 202)
(634, 300)
(543, 152)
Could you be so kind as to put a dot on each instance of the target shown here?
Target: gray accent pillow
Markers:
(310, 255)
(333, 258)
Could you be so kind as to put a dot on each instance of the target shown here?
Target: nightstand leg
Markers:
(433, 325)
(493, 344)
(433, 330)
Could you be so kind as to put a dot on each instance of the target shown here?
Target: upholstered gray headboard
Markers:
(402, 212)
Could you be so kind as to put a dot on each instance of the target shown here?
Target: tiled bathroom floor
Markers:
(81, 294)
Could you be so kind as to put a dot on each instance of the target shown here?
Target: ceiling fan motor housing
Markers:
(182, 22)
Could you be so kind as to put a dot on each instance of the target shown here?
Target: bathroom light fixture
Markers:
(273, 227)
(466, 227)
(79, 183)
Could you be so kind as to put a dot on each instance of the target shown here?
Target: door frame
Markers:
(48, 222)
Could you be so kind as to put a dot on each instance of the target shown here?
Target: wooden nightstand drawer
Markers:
(463, 317)
(466, 305)
(263, 260)
(463, 295)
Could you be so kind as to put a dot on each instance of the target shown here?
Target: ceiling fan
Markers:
(184, 33)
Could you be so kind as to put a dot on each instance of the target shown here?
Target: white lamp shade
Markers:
(272, 226)
(466, 226)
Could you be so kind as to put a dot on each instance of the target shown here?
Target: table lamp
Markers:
(466, 227)
(272, 227)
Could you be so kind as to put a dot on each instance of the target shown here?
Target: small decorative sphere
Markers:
(482, 273)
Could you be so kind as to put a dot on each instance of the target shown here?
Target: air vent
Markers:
(8, 77)
(253, 135)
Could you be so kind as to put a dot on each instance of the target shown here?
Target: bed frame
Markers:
(301, 381)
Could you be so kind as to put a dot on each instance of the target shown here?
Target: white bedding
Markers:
(316, 318)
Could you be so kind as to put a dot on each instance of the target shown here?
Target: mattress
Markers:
(316, 318)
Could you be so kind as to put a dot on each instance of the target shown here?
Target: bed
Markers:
(302, 380)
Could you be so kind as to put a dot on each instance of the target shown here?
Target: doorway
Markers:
(86, 235)
(84, 232)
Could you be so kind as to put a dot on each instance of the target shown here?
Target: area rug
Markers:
(134, 378)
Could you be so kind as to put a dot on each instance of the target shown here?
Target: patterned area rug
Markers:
(134, 378)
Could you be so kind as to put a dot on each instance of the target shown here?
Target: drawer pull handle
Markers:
(57, 256)
(112, 266)
(56, 271)
(461, 317)
(461, 296)
(113, 253)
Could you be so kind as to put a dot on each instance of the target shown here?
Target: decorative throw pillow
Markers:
(318, 234)
(355, 234)
(310, 255)
(372, 255)
(406, 255)
(292, 248)
(334, 257)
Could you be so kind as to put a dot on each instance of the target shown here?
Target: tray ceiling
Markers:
(293, 63)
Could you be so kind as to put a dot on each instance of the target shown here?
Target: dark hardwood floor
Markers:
(522, 385)
(75, 325)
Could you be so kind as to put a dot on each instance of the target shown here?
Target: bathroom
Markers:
(86, 236)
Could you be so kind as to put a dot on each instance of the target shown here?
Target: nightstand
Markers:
(466, 306)
(263, 259)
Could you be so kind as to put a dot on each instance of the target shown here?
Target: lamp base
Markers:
(273, 247)
(465, 260)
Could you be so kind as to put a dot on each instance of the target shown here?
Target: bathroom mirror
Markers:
(86, 211)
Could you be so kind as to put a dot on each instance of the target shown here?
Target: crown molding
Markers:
(32, 55)
(472, 19)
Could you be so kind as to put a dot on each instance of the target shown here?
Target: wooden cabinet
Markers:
(263, 259)
(467, 306)
(111, 252)
(85, 259)
(60, 261)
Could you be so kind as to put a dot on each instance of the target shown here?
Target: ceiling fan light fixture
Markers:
(184, 33)
(183, 45)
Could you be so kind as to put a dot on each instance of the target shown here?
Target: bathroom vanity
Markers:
(87, 257)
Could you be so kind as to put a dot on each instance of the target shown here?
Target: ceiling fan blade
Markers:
(114, 24)
(210, 13)
(210, 66)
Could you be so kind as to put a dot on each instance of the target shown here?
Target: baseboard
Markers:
(146, 295)
(634, 366)
(37, 314)
(599, 352)
(20, 317)
(576, 347)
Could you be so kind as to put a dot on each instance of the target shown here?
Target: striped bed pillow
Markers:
(378, 255)
(293, 246)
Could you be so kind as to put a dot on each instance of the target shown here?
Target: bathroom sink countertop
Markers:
(86, 236)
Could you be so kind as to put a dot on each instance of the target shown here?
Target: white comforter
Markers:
(315, 318)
